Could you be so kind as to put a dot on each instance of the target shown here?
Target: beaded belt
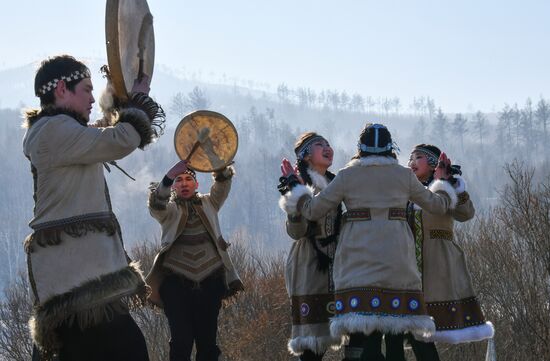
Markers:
(366, 214)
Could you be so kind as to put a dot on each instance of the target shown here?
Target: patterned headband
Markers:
(304, 149)
(432, 157)
(191, 173)
(52, 84)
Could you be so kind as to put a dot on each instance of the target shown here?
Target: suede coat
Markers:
(310, 289)
(76, 259)
(448, 291)
(377, 284)
(172, 217)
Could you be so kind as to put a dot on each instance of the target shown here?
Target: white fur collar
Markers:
(318, 180)
(373, 160)
(459, 187)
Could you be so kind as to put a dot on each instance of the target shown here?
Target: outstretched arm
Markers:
(221, 186)
(159, 193)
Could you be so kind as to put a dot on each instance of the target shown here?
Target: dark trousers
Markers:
(424, 351)
(117, 340)
(309, 355)
(394, 347)
(192, 314)
(364, 348)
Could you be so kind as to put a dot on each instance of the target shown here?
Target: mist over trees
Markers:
(512, 203)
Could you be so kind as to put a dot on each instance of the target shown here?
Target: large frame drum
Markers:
(216, 150)
(130, 41)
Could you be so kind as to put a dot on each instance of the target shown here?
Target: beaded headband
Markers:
(376, 148)
(52, 84)
(191, 173)
(304, 149)
(432, 157)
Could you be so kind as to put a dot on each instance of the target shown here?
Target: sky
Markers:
(468, 55)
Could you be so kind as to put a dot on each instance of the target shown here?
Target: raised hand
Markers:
(177, 169)
(142, 86)
(286, 168)
(443, 169)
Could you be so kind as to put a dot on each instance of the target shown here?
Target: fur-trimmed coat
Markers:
(76, 259)
(310, 289)
(377, 283)
(448, 291)
(172, 218)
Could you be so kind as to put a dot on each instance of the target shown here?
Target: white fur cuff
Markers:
(446, 187)
(460, 185)
(225, 173)
(318, 345)
(289, 202)
(420, 326)
(469, 334)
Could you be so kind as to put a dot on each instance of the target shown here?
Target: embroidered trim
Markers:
(357, 215)
(418, 240)
(380, 301)
(310, 309)
(75, 219)
(441, 234)
(52, 84)
(78, 227)
(397, 214)
(451, 315)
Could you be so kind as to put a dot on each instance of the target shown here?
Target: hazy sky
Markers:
(466, 54)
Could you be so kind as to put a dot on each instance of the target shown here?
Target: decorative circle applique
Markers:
(354, 302)
(413, 304)
(468, 318)
(453, 309)
(331, 307)
(339, 305)
(395, 303)
(304, 309)
(375, 302)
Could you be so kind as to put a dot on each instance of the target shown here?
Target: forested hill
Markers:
(268, 123)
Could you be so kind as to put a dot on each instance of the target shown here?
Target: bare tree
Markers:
(439, 129)
(15, 311)
(479, 125)
(283, 93)
(542, 114)
(430, 107)
(194, 100)
(509, 254)
(197, 99)
(460, 128)
(357, 103)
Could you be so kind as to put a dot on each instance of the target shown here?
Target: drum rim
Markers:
(188, 117)
(113, 48)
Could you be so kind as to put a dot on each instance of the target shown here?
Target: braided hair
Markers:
(302, 149)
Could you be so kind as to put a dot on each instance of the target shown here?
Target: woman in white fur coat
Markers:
(309, 264)
(378, 289)
(448, 292)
